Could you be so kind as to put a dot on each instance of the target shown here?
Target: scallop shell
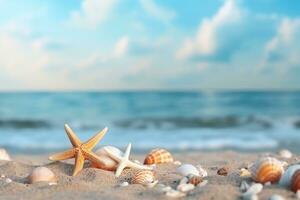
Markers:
(295, 184)
(158, 156)
(41, 174)
(286, 178)
(187, 169)
(4, 155)
(266, 169)
(108, 163)
(143, 177)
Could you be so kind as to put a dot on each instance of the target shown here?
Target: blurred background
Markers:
(200, 75)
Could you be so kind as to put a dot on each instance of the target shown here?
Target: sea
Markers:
(33, 122)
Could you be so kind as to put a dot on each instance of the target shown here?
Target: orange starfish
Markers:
(80, 151)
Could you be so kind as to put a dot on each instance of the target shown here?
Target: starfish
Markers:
(80, 151)
(124, 160)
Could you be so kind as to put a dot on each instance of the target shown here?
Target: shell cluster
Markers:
(41, 174)
(158, 156)
(267, 169)
(144, 177)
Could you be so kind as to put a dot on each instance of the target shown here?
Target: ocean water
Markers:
(246, 121)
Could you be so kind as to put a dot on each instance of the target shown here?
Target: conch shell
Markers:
(41, 174)
(158, 156)
(108, 163)
(267, 169)
(295, 184)
(144, 177)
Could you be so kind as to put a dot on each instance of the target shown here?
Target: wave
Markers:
(24, 123)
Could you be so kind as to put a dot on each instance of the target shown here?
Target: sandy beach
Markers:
(93, 183)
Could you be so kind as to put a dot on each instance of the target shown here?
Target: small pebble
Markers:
(253, 189)
(8, 180)
(185, 187)
(276, 197)
(2, 176)
(52, 183)
(222, 171)
(166, 189)
(177, 162)
(124, 184)
(284, 153)
(244, 186)
(245, 173)
(175, 194)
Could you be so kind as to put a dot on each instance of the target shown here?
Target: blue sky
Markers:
(149, 44)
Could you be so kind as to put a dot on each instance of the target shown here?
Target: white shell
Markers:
(187, 169)
(253, 189)
(8, 180)
(286, 178)
(109, 163)
(284, 153)
(185, 187)
(124, 184)
(276, 197)
(41, 174)
(202, 172)
(4, 155)
(115, 150)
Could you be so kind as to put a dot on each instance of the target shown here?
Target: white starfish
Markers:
(124, 160)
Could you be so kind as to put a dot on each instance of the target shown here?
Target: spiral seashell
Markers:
(286, 178)
(158, 156)
(143, 177)
(108, 163)
(4, 155)
(41, 174)
(295, 184)
(195, 180)
(266, 169)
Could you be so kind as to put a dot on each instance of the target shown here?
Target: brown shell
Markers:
(295, 184)
(267, 170)
(143, 177)
(195, 180)
(158, 156)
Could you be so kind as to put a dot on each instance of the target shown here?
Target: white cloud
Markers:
(206, 41)
(121, 47)
(160, 13)
(93, 12)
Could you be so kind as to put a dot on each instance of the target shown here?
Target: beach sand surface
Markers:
(93, 183)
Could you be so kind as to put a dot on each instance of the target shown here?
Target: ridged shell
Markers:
(109, 163)
(195, 180)
(41, 174)
(158, 156)
(295, 184)
(286, 178)
(267, 169)
(187, 169)
(143, 177)
(4, 155)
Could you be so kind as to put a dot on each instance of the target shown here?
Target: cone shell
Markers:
(158, 156)
(108, 163)
(143, 177)
(266, 169)
(41, 174)
(295, 184)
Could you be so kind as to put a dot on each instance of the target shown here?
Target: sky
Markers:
(149, 44)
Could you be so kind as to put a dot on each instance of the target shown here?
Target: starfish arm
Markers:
(79, 162)
(127, 151)
(120, 168)
(72, 137)
(63, 155)
(113, 155)
(91, 143)
(93, 157)
(138, 166)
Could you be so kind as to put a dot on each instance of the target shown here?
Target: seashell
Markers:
(184, 180)
(177, 162)
(244, 186)
(284, 153)
(175, 194)
(52, 183)
(158, 156)
(266, 169)
(41, 174)
(8, 180)
(202, 172)
(2, 176)
(276, 197)
(143, 177)
(187, 169)
(295, 184)
(286, 178)
(222, 171)
(124, 184)
(109, 163)
(4, 155)
(244, 173)
(185, 187)
(253, 189)
(195, 180)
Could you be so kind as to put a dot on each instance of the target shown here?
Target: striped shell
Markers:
(158, 156)
(143, 177)
(195, 180)
(286, 178)
(266, 169)
(295, 184)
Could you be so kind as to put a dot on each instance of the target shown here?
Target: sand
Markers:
(93, 183)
